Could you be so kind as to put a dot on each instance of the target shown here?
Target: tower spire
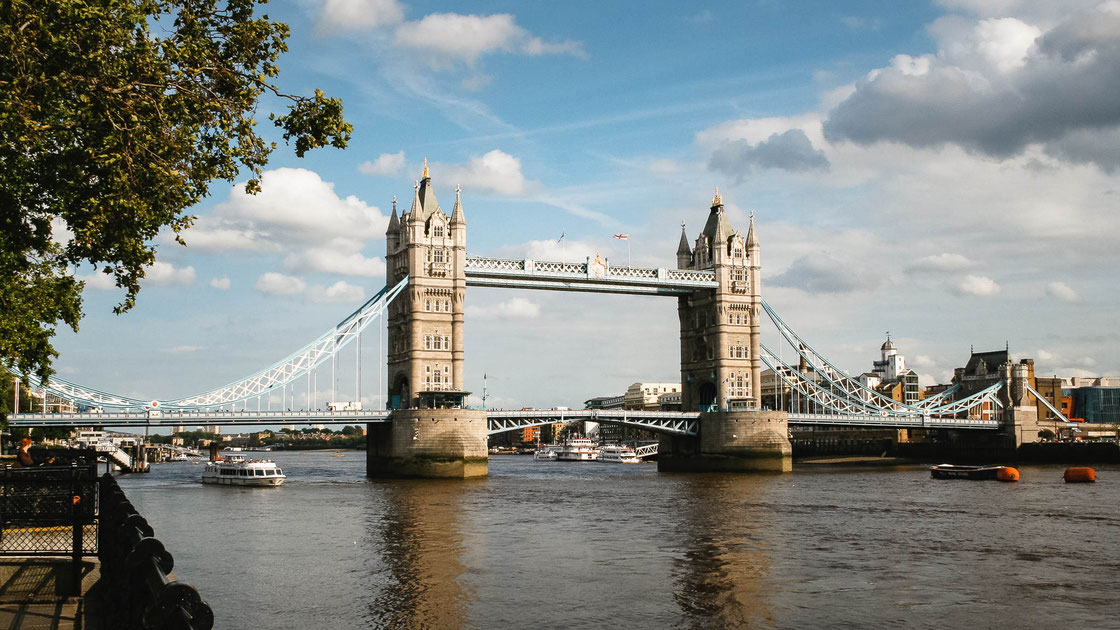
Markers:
(457, 212)
(426, 174)
(717, 200)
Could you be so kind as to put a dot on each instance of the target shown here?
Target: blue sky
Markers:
(947, 171)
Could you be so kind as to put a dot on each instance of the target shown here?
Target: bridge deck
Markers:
(672, 422)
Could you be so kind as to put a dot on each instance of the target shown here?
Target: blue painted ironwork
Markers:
(593, 276)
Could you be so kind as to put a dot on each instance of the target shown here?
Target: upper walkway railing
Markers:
(594, 275)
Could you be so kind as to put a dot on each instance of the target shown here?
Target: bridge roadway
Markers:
(670, 422)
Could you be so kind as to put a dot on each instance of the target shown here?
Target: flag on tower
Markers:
(622, 236)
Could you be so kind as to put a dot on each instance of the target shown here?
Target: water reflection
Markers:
(721, 579)
(418, 550)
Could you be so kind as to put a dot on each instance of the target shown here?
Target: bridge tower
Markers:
(721, 365)
(431, 434)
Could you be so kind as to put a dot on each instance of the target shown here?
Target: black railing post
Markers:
(76, 520)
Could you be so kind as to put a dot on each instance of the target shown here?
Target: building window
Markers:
(437, 230)
(427, 305)
(437, 255)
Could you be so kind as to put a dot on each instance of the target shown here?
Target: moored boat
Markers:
(546, 452)
(235, 470)
(954, 471)
(619, 455)
(577, 449)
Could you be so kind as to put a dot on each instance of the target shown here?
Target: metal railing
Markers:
(136, 568)
(50, 511)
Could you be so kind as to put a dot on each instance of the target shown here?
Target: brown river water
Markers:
(595, 545)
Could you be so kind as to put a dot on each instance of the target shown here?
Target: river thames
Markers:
(594, 545)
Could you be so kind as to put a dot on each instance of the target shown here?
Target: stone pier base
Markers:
(429, 443)
(730, 441)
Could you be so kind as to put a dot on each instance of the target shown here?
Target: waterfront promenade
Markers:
(34, 594)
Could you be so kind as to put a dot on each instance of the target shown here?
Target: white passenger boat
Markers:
(577, 450)
(235, 470)
(547, 452)
(619, 455)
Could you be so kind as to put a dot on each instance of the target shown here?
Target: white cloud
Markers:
(442, 39)
(944, 261)
(341, 256)
(354, 15)
(997, 87)
(385, 164)
(222, 284)
(1062, 291)
(515, 308)
(279, 284)
(552, 250)
(495, 172)
(340, 291)
(98, 281)
(975, 285)
(165, 274)
(299, 214)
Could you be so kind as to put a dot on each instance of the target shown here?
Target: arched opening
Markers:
(399, 394)
(707, 397)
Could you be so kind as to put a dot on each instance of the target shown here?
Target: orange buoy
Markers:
(1007, 473)
(1080, 474)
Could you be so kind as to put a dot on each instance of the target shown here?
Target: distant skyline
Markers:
(948, 171)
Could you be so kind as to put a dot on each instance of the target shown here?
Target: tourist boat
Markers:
(235, 470)
(619, 455)
(953, 471)
(577, 449)
(546, 452)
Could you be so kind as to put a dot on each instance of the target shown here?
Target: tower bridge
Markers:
(427, 428)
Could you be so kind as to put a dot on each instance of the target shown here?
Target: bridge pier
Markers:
(730, 441)
(428, 443)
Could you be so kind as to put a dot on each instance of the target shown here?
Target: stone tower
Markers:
(720, 364)
(425, 358)
(430, 433)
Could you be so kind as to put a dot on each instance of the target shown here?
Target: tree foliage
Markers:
(115, 117)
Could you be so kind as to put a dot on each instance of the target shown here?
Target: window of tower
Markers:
(437, 230)
(437, 255)
(427, 305)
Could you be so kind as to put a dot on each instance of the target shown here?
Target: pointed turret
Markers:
(752, 238)
(457, 217)
(426, 196)
(684, 252)
(717, 223)
(394, 224)
(417, 210)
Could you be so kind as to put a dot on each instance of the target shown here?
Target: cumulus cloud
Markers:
(338, 292)
(823, 273)
(222, 284)
(1062, 291)
(995, 87)
(790, 150)
(515, 308)
(158, 273)
(385, 164)
(336, 16)
(341, 256)
(495, 172)
(279, 284)
(443, 39)
(940, 263)
(299, 214)
(974, 285)
(165, 274)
